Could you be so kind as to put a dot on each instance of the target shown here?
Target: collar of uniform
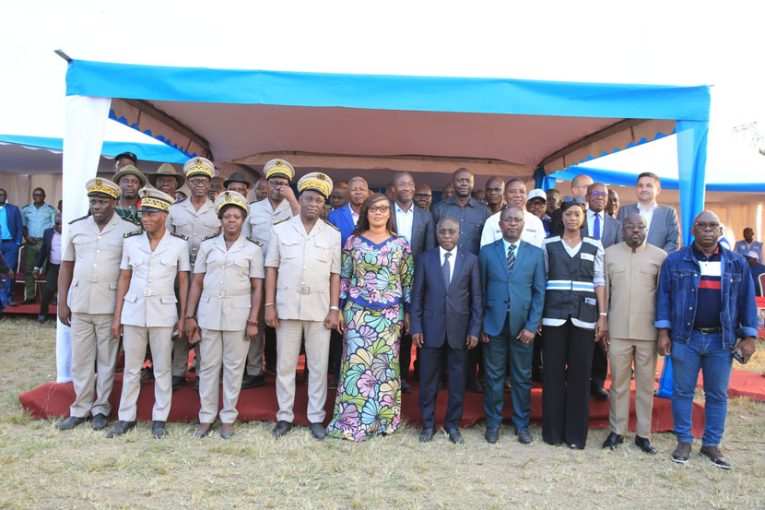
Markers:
(208, 204)
(109, 225)
(160, 245)
(220, 243)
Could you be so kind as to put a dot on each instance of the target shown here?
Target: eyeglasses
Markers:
(379, 208)
(707, 226)
(568, 199)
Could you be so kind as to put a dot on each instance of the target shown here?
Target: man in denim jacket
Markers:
(704, 303)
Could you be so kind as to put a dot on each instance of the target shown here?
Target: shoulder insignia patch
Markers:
(281, 221)
(79, 219)
(211, 236)
(133, 233)
(180, 236)
(259, 243)
(330, 225)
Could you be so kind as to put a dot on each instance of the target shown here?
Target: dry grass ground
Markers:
(43, 468)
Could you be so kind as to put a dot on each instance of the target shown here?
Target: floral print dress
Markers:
(375, 283)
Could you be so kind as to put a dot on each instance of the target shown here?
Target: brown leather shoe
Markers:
(715, 455)
(682, 452)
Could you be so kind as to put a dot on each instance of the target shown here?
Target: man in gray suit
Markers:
(416, 226)
(608, 231)
(663, 226)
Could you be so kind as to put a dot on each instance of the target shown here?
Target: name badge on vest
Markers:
(588, 256)
(590, 301)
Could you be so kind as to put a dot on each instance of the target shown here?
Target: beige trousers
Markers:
(289, 336)
(92, 346)
(134, 340)
(229, 349)
(255, 353)
(621, 354)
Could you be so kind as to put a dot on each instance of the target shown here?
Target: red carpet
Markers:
(747, 384)
(53, 400)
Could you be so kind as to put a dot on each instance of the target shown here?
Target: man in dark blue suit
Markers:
(345, 219)
(11, 233)
(513, 284)
(445, 318)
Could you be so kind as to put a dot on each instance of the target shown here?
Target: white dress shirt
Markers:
(404, 221)
(647, 215)
(591, 223)
(533, 230)
(452, 260)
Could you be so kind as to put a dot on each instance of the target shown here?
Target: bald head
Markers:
(579, 185)
(706, 230)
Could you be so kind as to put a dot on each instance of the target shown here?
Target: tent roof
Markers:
(495, 126)
(35, 154)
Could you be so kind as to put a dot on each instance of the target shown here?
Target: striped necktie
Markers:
(511, 258)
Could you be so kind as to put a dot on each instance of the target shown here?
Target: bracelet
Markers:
(604, 314)
(335, 308)
(269, 304)
(252, 322)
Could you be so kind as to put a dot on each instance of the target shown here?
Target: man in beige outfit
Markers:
(632, 273)
(302, 296)
(87, 287)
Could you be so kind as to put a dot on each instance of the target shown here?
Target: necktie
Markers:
(596, 228)
(511, 258)
(446, 270)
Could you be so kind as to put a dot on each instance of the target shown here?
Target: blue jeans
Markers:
(703, 352)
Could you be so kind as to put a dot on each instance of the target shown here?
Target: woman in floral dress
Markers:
(375, 287)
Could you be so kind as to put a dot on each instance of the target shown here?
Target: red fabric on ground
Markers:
(53, 400)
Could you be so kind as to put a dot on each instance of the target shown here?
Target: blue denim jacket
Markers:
(678, 288)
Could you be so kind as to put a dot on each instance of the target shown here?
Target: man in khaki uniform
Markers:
(280, 205)
(302, 296)
(147, 307)
(87, 290)
(196, 219)
(632, 273)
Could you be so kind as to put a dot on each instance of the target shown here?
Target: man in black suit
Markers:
(600, 225)
(416, 226)
(445, 318)
(49, 257)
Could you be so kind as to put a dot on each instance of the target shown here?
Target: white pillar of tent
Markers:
(83, 138)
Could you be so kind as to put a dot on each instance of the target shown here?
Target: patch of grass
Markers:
(43, 468)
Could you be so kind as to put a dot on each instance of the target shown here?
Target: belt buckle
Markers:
(221, 293)
(305, 289)
(147, 292)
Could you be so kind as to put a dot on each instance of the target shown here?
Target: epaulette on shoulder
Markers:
(211, 236)
(180, 236)
(79, 219)
(133, 233)
(259, 243)
(282, 221)
(331, 225)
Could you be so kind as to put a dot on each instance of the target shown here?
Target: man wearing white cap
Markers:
(303, 263)
(280, 205)
(516, 196)
(148, 309)
(87, 286)
(196, 219)
(753, 259)
(536, 204)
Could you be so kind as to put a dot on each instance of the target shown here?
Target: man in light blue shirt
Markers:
(36, 218)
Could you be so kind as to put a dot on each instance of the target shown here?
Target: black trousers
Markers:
(335, 353)
(269, 350)
(51, 287)
(430, 374)
(567, 352)
(405, 355)
(599, 366)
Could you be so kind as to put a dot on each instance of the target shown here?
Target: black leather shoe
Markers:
(252, 381)
(613, 440)
(226, 430)
(598, 393)
(317, 430)
(120, 428)
(178, 381)
(426, 435)
(69, 423)
(203, 430)
(537, 376)
(158, 429)
(454, 435)
(281, 428)
(475, 386)
(491, 435)
(405, 388)
(524, 436)
(100, 421)
(645, 444)
(714, 454)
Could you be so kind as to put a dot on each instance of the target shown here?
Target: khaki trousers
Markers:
(289, 336)
(229, 349)
(94, 354)
(621, 354)
(134, 340)
(255, 352)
